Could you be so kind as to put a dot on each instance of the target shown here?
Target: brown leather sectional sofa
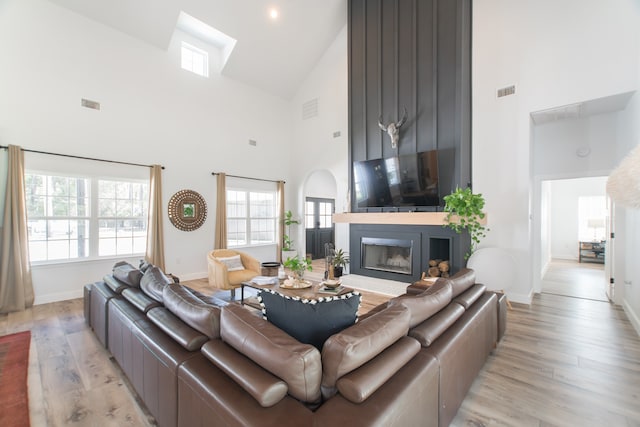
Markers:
(197, 361)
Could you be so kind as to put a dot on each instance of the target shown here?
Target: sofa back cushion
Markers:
(153, 282)
(430, 330)
(127, 273)
(114, 284)
(139, 299)
(462, 280)
(191, 310)
(471, 295)
(310, 321)
(358, 344)
(426, 304)
(359, 384)
(297, 364)
(175, 328)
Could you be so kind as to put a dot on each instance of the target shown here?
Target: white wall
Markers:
(627, 268)
(557, 53)
(151, 112)
(314, 146)
(554, 146)
(545, 229)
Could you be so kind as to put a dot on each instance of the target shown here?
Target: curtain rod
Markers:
(248, 177)
(81, 157)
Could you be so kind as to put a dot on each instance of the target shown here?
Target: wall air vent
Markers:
(506, 91)
(90, 104)
(310, 109)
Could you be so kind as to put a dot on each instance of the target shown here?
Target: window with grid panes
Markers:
(251, 217)
(71, 217)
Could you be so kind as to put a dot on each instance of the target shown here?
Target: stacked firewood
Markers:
(438, 268)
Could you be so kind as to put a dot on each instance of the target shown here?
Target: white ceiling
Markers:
(608, 104)
(274, 55)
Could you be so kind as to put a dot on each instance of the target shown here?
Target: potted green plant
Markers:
(464, 212)
(298, 266)
(340, 260)
(288, 250)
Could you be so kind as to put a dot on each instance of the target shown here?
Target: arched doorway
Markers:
(320, 192)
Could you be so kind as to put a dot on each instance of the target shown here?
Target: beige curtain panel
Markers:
(16, 287)
(155, 235)
(220, 241)
(281, 219)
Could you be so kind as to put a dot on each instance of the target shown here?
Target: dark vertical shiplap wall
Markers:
(413, 54)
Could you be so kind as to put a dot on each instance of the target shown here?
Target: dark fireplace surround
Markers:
(417, 243)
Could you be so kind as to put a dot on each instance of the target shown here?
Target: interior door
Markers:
(609, 251)
(318, 225)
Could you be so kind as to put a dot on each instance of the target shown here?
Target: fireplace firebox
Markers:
(402, 252)
(390, 255)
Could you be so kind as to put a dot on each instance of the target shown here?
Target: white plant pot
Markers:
(288, 254)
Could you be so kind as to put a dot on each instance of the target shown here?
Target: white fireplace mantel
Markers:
(404, 218)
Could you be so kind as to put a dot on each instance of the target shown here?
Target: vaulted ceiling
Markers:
(272, 54)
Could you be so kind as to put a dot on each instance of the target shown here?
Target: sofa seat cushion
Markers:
(429, 330)
(461, 281)
(310, 321)
(358, 344)
(191, 310)
(297, 364)
(127, 273)
(139, 299)
(179, 331)
(426, 304)
(153, 282)
(265, 387)
(358, 385)
(471, 295)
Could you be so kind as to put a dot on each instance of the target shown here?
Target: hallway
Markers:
(577, 280)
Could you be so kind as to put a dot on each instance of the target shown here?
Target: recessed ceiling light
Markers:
(273, 13)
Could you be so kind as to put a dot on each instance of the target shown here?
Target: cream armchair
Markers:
(219, 275)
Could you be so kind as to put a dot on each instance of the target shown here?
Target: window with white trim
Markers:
(122, 217)
(83, 217)
(195, 60)
(251, 217)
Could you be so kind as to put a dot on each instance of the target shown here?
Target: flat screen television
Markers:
(403, 181)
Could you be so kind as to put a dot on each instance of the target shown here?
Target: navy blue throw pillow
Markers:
(310, 321)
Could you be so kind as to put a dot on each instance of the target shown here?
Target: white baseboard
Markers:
(520, 298)
(60, 296)
(633, 317)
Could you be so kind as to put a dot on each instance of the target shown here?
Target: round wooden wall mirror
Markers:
(187, 210)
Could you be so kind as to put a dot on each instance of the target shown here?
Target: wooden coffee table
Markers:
(312, 292)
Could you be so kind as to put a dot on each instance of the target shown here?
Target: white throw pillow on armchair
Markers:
(233, 263)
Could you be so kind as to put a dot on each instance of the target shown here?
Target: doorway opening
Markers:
(574, 229)
(318, 225)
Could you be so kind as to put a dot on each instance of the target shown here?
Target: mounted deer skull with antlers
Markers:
(393, 129)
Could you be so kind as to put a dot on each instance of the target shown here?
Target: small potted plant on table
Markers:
(340, 260)
(298, 266)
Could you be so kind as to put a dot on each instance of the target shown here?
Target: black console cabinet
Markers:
(591, 252)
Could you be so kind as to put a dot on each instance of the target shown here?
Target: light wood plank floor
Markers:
(574, 279)
(563, 362)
